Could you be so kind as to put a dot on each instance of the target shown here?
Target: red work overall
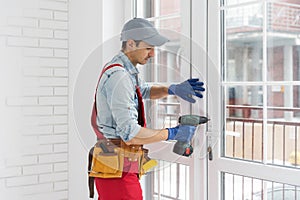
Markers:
(128, 186)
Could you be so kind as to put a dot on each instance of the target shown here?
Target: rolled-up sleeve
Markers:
(121, 100)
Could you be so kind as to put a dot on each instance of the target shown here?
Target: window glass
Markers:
(234, 2)
(283, 27)
(244, 43)
(261, 82)
(168, 7)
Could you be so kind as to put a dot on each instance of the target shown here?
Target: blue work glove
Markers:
(182, 133)
(187, 89)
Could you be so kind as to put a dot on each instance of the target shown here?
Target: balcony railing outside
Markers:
(238, 187)
(245, 138)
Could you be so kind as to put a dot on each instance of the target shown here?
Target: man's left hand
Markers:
(187, 89)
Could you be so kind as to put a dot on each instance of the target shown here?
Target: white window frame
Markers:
(221, 164)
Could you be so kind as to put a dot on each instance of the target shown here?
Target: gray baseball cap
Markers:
(142, 29)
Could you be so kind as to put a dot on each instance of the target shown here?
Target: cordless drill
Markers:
(185, 148)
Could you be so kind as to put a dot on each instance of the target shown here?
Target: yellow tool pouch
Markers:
(108, 158)
(107, 161)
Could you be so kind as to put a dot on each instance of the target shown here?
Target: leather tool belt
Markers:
(112, 157)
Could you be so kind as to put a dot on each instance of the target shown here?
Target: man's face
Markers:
(139, 54)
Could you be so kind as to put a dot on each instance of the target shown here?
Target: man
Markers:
(120, 108)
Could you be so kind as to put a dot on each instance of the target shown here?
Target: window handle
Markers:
(210, 154)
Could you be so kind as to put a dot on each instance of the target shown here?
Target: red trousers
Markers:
(125, 188)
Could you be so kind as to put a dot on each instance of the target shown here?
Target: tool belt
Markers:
(109, 158)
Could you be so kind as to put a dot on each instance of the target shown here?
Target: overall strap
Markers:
(141, 111)
(94, 111)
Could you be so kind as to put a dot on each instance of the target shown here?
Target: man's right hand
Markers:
(182, 133)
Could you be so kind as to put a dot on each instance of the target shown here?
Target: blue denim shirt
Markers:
(116, 100)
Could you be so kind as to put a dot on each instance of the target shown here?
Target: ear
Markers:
(131, 43)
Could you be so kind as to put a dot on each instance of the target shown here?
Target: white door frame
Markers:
(221, 164)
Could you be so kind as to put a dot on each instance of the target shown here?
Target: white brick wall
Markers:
(37, 32)
(40, 14)
(34, 85)
(52, 43)
(61, 34)
(38, 52)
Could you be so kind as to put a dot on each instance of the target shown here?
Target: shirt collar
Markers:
(127, 63)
